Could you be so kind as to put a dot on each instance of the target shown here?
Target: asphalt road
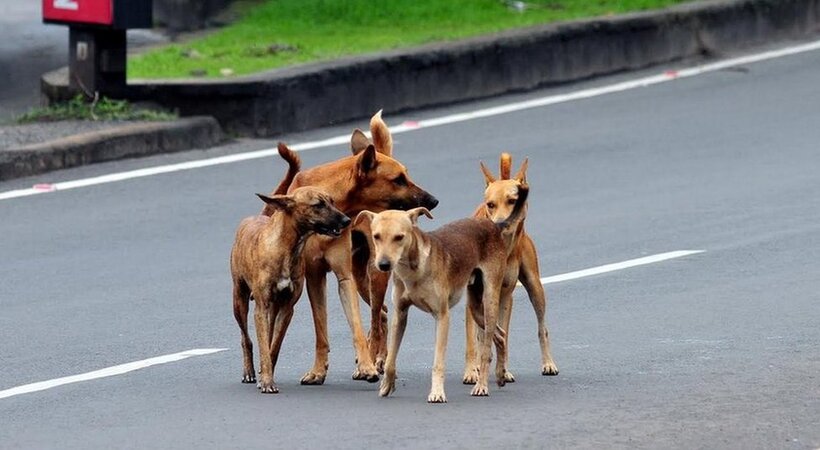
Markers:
(715, 350)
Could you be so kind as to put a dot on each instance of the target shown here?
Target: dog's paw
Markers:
(509, 377)
(437, 396)
(549, 369)
(480, 391)
(387, 387)
(249, 377)
(370, 374)
(470, 376)
(380, 365)
(267, 388)
(314, 378)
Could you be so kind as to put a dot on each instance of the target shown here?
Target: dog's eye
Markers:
(400, 180)
(511, 201)
(490, 205)
(377, 237)
(398, 238)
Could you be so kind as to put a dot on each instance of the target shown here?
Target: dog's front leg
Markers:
(280, 327)
(442, 330)
(378, 281)
(341, 264)
(529, 275)
(489, 299)
(262, 317)
(504, 316)
(316, 280)
(397, 327)
(241, 300)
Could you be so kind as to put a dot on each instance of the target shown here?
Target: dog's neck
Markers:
(282, 232)
(414, 263)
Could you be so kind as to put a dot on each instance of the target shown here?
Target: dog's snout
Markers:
(384, 265)
(432, 202)
(345, 221)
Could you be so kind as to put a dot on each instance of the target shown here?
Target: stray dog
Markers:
(432, 270)
(370, 179)
(267, 265)
(500, 199)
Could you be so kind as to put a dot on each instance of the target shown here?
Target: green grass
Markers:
(79, 108)
(311, 30)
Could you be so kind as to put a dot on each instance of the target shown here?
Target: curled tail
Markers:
(518, 209)
(294, 165)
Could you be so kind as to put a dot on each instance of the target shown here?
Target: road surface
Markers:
(717, 349)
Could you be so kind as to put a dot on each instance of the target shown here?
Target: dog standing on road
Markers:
(267, 265)
(370, 179)
(500, 200)
(432, 270)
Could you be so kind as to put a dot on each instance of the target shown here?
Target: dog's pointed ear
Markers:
(280, 202)
(358, 141)
(382, 138)
(363, 217)
(521, 176)
(367, 160)
(505, 166)
(488, 176)
(414, 214)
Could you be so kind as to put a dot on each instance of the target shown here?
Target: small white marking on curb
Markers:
(107, 372)
(664, 77)
(618, 266)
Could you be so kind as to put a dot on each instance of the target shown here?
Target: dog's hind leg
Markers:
(241, 300)
(316, 280)
(471, 362)
(529, 276)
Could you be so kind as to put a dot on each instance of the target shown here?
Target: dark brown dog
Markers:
(369, 179)
(500, 198)
(432, 270)
(267, 265)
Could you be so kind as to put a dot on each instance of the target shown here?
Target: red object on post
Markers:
(79, 11)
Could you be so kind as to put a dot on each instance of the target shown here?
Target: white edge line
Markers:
(107, 372)
(618, 266)
(664, 77)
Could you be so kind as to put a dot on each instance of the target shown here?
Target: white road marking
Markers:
(107, 372)
(664, 77)
(618, 266)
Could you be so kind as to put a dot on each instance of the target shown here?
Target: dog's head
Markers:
(393, 234)
(311, 209)
(383, 182)
(501, 194)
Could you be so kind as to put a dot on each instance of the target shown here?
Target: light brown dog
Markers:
(500, 198)
(267, 266)
(431, 271)
(370, 179)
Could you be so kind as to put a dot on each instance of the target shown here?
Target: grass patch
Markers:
(277, 33)
(79, 108)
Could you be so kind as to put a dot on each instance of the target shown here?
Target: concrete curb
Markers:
(127, 141)
(314, 95)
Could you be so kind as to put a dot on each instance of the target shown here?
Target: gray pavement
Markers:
(716, 350)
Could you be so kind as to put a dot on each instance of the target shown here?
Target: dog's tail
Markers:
(294, 165)
(505, 166)
(518, 209)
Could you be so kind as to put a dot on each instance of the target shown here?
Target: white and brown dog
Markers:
(431, 271)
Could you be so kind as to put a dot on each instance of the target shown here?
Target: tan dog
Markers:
(431, 271)
(370, 179)
(267, 265)
(500, 198)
